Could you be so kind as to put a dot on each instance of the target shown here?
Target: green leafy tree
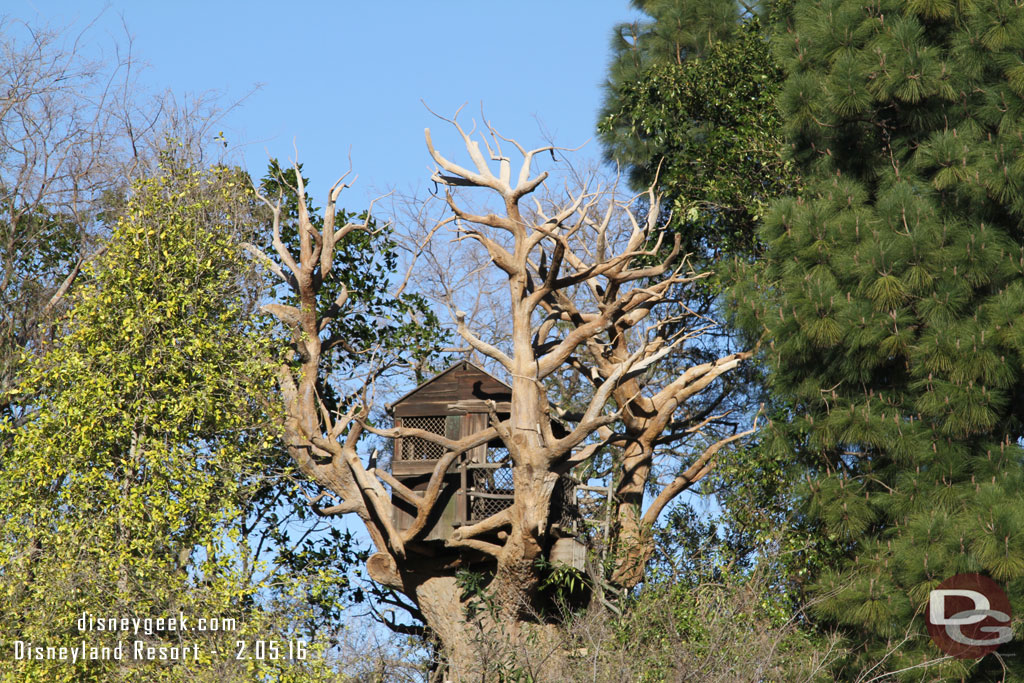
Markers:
(74, 132)
(690, 107)
(147, 429)
(891, 298)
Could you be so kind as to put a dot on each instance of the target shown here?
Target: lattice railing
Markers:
(417, 448)
(490, 489)
(567, 506)
(497, 454)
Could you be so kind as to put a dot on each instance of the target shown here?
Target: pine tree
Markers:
(891, 299)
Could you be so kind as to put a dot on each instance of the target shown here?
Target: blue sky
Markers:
(335, 76)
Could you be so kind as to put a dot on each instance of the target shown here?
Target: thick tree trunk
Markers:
(633, 542)
(488, 644)
(486, 635)
(446, 615)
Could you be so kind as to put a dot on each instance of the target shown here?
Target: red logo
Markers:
(969, 616)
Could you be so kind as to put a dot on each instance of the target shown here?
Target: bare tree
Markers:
(592, 291)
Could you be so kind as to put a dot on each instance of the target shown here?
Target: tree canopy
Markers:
(149, 430)
(890, 300)
(690, 106)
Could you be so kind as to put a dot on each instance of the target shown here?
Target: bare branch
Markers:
(694, 473)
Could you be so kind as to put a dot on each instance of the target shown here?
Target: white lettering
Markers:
(1005, 633)
(937, 607)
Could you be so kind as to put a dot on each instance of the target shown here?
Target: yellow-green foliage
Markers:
(124, 491)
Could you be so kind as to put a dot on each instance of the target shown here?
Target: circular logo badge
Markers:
(968, 616)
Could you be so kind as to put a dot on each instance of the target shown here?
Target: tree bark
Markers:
(493, 643)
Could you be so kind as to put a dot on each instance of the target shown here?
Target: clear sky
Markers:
(341, 75)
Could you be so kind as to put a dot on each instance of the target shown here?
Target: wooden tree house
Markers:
(478, 484)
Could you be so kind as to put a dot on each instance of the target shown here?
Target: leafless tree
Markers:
(593, 290)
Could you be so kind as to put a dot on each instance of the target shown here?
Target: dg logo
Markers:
(969, 616)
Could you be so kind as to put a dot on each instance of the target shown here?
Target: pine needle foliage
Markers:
(891, 305)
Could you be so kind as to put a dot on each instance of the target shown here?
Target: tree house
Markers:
(478, 483)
